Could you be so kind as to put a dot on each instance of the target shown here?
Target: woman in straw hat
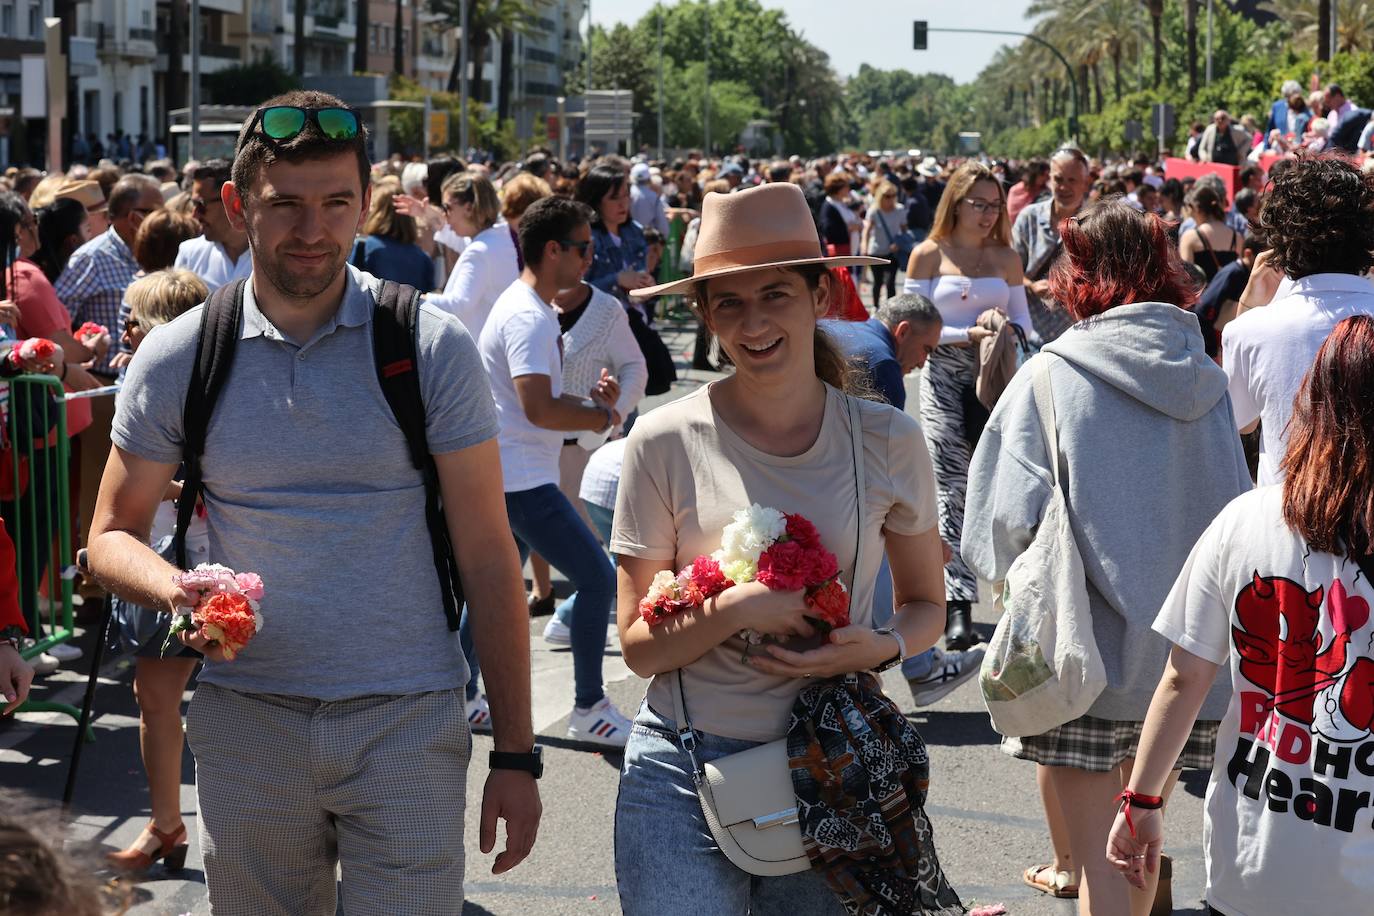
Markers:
(777, 433)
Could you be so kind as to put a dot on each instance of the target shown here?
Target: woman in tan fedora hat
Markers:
(776, 432)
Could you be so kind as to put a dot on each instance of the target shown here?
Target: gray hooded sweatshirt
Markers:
(1151, 455)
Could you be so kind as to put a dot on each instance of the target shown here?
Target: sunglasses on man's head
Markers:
(285, 122)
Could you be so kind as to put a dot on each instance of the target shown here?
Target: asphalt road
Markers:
(983, 804)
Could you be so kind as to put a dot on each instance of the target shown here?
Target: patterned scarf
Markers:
(860, 772)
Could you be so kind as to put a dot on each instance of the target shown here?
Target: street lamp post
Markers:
(194, 141)
(706, 95)
(1209, 42)
(462, 79)
(1073, 80)
(660, 81)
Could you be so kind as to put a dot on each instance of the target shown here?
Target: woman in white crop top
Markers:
(966, 266)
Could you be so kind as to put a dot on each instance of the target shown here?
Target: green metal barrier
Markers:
(669, 270)
(40, 516)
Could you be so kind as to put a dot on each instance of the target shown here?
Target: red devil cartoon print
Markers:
(1281, 651)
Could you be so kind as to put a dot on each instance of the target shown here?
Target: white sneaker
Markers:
(65, 652)
(602, 724)
(43, 663)
(948, 671)
(558, 633)
(479, 714)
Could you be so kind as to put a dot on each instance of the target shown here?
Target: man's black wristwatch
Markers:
(532, 763)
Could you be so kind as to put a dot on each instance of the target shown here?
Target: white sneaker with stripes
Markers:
(601, 724)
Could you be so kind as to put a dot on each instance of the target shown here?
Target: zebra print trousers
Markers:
(948, 372)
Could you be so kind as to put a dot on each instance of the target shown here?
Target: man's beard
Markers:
(294, 283)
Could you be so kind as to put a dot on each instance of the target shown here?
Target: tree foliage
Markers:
(485, 130)
(248, 84)
(1021, 101)
(759, 67)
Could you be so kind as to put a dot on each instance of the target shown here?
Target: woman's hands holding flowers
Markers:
(851, 648)
(780, 614)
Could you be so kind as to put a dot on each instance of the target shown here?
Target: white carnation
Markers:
(752, 532)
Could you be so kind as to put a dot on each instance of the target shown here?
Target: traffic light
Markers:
(919, 35)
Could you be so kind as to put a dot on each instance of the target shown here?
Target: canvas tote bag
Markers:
(1043, 668)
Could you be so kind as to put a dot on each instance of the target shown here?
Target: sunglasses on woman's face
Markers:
(285, 122)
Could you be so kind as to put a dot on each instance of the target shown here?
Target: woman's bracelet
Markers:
(1129, 800)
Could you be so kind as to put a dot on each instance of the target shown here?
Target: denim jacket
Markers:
(609, 259)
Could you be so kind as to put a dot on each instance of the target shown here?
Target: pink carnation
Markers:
(250, 585)
(706, 575)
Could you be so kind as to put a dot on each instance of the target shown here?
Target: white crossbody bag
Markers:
(747, 798)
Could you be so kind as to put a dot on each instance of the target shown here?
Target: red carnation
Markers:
(822, 567)
(706, 575)
(784, 566)
(831, 603)
(800, 529)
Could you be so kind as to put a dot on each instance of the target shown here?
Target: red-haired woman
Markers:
(1148, 455)
(1283, 575)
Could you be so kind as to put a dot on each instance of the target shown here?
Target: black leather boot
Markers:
(959, 632)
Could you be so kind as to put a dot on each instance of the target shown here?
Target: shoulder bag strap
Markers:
(219, 335)
(1044, 406)
(856, 433)
(395, 323)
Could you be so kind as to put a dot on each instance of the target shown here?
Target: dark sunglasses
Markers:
(130, 324)
(581, 247)
(285, 122)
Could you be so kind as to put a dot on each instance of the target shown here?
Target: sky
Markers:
(878, 32)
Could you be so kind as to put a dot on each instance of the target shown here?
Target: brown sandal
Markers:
(1058, 887)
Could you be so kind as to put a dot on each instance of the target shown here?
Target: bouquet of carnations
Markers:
(784, 552)
(226, 609)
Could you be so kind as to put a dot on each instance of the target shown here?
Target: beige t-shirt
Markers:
(686, 473)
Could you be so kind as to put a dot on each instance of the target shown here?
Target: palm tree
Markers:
(299, 47)
(1324, 30)
(1190, 26)
(361, 13)
(485, 19)
(1156, 10)
(1354, 24)
(398, 45)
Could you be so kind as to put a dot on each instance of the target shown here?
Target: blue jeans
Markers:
(918, 666)
(601, 518)
(544, 520)
(666, 861)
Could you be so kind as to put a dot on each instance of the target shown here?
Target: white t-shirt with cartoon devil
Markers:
(1290, 807)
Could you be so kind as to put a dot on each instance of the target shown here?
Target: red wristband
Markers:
(1129, 799)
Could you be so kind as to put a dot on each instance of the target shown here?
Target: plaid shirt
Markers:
(92, 286)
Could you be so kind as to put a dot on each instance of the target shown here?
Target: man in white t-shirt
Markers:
(1323, 250)
(521, 346)
(221, 255)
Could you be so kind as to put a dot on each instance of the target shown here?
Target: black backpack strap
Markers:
(394, 335)
(219, 334)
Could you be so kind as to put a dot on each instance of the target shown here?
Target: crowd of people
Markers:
(1083, 329)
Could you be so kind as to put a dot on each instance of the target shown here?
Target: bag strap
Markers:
(219, 336)
(394, 336)
(860, 485)
(359, 254)
(1044, 406)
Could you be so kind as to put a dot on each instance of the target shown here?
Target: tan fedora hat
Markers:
(767, 226)
(88, 193)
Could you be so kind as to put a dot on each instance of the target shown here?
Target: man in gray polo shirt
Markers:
(338, 735)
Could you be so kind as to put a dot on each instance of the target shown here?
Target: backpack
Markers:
(394, 350)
